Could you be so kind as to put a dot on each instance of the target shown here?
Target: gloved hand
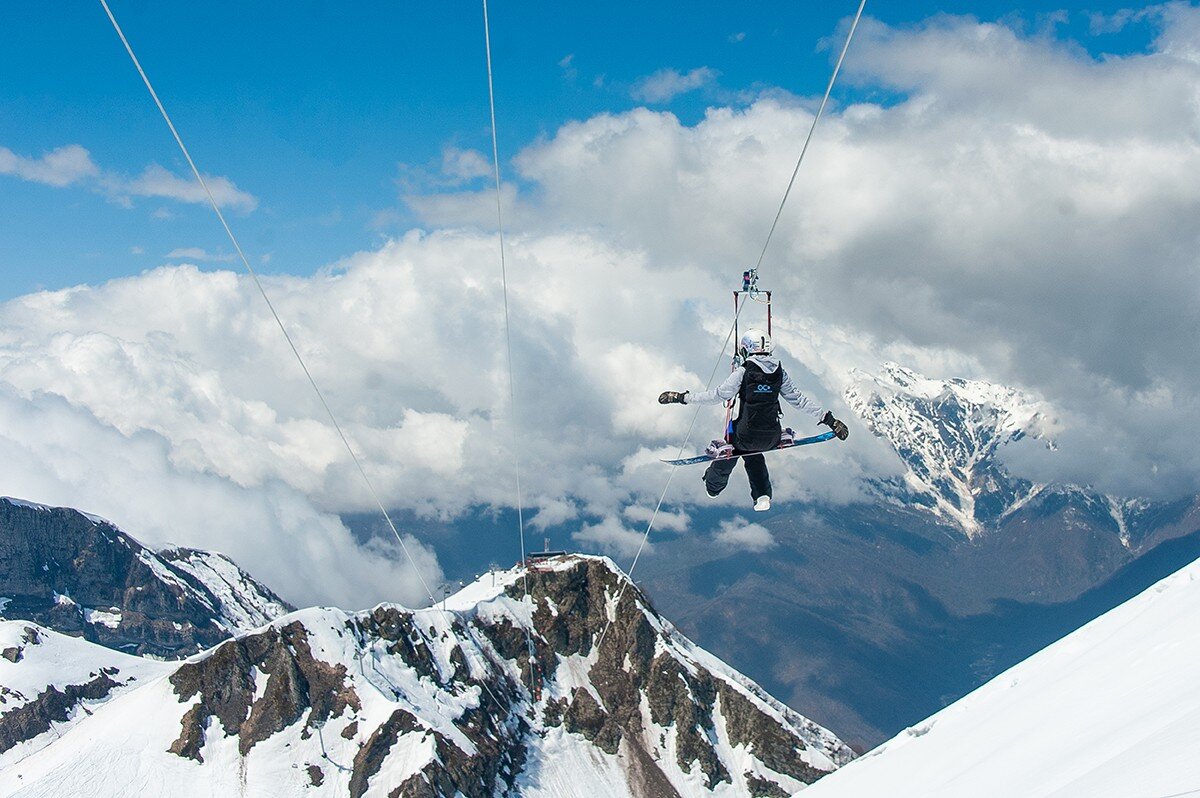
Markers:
(673, 397)
(839, 429)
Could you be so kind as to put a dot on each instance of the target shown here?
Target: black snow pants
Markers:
(717, 475)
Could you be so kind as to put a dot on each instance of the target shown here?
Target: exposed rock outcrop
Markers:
(82, 576)
(576, 688)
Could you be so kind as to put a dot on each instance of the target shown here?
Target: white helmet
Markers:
(755, 342)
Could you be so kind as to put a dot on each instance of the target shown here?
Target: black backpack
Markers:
(757, 426)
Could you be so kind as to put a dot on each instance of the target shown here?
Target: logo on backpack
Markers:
(763, 388)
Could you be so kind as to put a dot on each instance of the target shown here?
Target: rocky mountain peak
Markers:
(81, 575)
(948, 433)
(506, 690)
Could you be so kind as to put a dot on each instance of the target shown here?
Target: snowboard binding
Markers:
(719, 449)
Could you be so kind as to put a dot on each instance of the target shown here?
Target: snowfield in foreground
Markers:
(1110, 711)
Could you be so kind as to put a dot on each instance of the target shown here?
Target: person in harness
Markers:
(758, 383)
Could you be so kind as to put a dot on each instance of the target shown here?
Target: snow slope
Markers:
(239, 601)
(1110, 711)
(50, 681)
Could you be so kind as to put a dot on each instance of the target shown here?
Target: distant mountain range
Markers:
(949, 434)
(492, 693)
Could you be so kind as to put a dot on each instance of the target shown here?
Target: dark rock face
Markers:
(300, 686)
(462, 690)
(86, 578)
(53, 705)
(297, 684)
(631, 665)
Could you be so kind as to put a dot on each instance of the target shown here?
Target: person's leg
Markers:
(760, 478)
(717, 475)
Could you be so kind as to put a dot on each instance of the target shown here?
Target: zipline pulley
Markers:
(749, 290)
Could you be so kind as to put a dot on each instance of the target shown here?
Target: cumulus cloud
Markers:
(57, 453)
(677, 521)
(72, 164)
(420, 395)
(1021, 210)
(60, 167)
(667, 84)
(740, 534)
(1020, 213)
(461, 165)
(612, 537)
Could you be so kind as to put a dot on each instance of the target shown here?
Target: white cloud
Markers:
(642, 514)
(156, 181)
(60, 167)
(740, 534)
(612, 537)
(667, 84)
(199, 254)
(465, 164)
(72, 164)
(61, 454)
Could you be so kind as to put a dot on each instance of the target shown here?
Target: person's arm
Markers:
(792, 395)
(722, 393)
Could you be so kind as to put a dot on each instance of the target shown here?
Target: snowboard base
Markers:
(708, 458)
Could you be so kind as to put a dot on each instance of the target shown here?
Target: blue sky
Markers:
(324, 115)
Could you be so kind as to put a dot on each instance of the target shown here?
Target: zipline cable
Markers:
(812, 128)
(737, 312)
(246, 262)
(670, 476)
(512, 382)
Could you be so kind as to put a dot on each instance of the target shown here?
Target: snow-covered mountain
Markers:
(441, 702)
(1110, 711)
(948, 433)
(50, 681)
(80, 575)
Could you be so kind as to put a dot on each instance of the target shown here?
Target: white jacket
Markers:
(733, 383)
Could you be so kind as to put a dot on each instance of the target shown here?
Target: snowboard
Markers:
(708, 458)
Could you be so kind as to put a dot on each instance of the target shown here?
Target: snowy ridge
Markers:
(47, 508)
(1110, 711)
(81, 575)
(241, 602)
(392, 701)
(948, 432)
